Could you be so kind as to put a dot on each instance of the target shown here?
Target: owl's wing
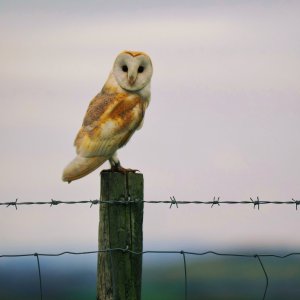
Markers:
(108, 124)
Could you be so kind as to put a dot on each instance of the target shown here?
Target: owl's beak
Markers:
(131, 79)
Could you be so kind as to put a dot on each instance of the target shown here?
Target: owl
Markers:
(112, 116)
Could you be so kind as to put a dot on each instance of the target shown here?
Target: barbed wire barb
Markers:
(54, 202)
(297, 202)
(173, 201)
(255, 202)
(216, 202)
(14, 203)
(94, 202)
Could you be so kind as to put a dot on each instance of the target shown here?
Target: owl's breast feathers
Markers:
(110, 121)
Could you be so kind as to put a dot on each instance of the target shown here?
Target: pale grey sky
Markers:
(223, 119)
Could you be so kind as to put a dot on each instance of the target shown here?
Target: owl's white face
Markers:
(133, 70)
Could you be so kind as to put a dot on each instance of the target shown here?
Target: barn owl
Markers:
(112, 116)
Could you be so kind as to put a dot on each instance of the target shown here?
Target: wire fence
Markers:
(184, 254)
(256, 203)
(216, 201)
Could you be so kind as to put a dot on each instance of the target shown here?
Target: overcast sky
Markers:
(223, 119)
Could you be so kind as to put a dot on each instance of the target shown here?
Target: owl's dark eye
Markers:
(124, 68)
(141, 69)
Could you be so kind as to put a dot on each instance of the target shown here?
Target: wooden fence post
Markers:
(119, 274)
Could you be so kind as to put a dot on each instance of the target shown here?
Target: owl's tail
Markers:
(81, 166)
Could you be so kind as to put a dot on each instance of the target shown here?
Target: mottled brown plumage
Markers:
(113, 115)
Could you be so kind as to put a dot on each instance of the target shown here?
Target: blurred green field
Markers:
(224, 278)
(209, 277)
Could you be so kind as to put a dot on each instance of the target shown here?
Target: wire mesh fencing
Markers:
(182, 253)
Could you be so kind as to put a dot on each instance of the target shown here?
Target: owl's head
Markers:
(132, 70)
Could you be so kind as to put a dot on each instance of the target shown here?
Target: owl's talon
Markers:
(122, 170)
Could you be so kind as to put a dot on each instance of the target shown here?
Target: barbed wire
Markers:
(125, 201)
(184, 254)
